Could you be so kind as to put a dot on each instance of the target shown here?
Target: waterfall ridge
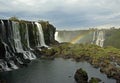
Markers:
(15, 43)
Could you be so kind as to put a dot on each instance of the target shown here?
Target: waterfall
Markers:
(17, 38)
(100, 38)
(10, 39)
(13, 65)
(41, 41)
(4, 65)
(56, 36)
(18, 44)
(27, 36)
(93, 40)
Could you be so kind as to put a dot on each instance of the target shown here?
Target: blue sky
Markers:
(65, 14)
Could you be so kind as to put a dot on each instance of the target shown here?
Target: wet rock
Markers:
(94, 80)
(81, 76)
(2, 50)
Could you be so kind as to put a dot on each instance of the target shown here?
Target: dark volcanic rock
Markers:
(81, 76)
(49, 31)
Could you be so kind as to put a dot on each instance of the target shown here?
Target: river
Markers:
(52, 71)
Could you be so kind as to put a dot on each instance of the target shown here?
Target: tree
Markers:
(14, 18)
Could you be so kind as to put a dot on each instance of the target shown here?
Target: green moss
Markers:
(93, 80)
(14, 18)
(112, 38)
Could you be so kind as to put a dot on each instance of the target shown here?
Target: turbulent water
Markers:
(52, 71)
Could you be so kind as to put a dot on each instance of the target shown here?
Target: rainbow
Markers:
(79, 37)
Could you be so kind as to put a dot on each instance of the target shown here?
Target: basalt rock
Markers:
(49, 31)
(81, 76)
(19, 40)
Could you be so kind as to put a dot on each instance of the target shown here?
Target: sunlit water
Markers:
(52, 71)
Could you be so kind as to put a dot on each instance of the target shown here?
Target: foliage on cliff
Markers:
(112, 38)
(49, 31)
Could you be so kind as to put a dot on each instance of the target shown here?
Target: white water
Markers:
(93, 37)
(13, 65)
(17, 38)
(41, 41)
(8, 55)
(18, 44)
(19, 60)
(28, 55)
(57, 37)
(6, 52)
(100, 38)
(4, 66)
(27, 36)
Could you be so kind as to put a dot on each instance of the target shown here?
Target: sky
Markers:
(65, 14)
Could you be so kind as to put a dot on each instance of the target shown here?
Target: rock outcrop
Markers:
(81, 76)
(19, 39)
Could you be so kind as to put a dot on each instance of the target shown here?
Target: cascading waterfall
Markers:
(8, 53)
(17, 38)
(4, 66)
(41, 41)
(13, 65)
(27, 36)
(93, 40)
(100, 38)
(18, 44)
(56, 35)
(61, 37)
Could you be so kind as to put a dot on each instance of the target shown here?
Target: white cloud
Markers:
(84, 12)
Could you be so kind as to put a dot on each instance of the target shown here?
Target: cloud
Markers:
(64, 13)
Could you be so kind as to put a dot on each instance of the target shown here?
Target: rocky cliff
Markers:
(19, 38)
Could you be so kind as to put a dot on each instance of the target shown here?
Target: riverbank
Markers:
(107, 58)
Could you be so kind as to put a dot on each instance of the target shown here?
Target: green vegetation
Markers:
(103, 58)
(93, 80)
(112, 38)
(14, 18)
(78, 50)
(81, 76)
